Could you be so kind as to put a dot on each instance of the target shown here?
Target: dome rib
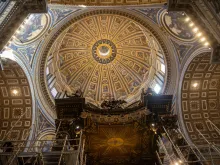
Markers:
(106, 55)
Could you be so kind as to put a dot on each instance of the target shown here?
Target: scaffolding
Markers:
(188, 154)
(43, 152)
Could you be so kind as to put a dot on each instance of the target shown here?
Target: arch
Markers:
(198, 98)
(16, 102)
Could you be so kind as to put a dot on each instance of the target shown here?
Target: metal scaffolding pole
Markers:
(29, 159)
(175, 147)
(158, 157)
(210, 153)
(18, 149)
(165, 150)
(82, 152)
(14, 155)
(36, 154)
(56, 134)
(35, 160)
(1, 63)
(216, 128)
(13, 125)
(41, 154)
(212, 145)
(79, 149)
(194, 146)
(64, 144)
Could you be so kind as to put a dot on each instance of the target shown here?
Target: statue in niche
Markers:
(78, 93)
(149, 92)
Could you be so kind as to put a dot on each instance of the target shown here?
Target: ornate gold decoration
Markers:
(44, 64)
(119, 144)
(104, 51)
(106, 55)
(116, 119)
(106, 2)
(115, 142)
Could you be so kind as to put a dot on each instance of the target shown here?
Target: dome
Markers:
(104, 55)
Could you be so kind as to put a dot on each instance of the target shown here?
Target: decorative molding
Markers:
(106, 3)
(81, 15)
(16, 16)
(205, 14)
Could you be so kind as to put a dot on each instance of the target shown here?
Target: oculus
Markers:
(104, 51)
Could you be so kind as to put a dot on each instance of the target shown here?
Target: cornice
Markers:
(16, 16)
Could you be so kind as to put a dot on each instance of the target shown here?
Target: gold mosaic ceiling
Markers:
(106, 55)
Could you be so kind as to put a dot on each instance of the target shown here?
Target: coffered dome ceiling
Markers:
(105, 55)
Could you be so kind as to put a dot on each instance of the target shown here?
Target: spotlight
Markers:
(17, 31)
(25, 21)
(191, 24)
(77, 127)
(206, 44)
(195, 29)
(84, 6)
(199, 34)
(15, 92)
(180, 161)
(153, 124)
(22, 26)
(176, 163)
(202, 39)
(195, 85)
(187, 19)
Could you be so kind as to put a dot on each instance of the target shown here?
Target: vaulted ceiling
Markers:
(15, 102)
(200, 99)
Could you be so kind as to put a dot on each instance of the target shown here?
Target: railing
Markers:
(41, 152)
(208, 153)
